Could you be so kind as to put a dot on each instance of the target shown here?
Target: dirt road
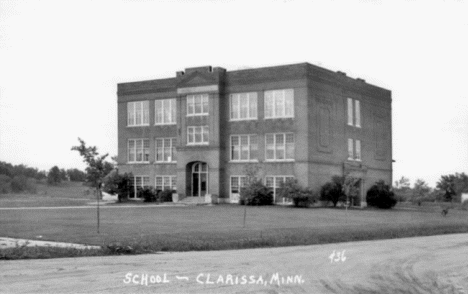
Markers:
(437, 264)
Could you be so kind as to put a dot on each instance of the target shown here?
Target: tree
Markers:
(97, 168)
(54, 176)
(63, 175)
(420, 191)
(402, 189)
(380, 195)
(453, 186)
(333, 191)
(350, 186)
(76, 175)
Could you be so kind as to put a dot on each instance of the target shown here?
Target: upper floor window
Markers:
(197, 135)
(138, 113)
(138, 150)
(279, 103)
(243, 106)
(354, 149)
(244, 147)
(165, 111)
(166, 150)
(197, 104)
(354, 113)
(279, 146)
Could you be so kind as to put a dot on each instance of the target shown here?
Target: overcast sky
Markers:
(60, 62)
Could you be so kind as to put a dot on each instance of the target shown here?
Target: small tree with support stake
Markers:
(96, 170)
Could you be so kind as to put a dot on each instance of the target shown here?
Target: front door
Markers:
(199, 179)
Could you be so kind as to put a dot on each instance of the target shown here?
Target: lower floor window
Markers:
(354, 149)
(138, 183)
(237, 182)
(273, 183)
(166, 183)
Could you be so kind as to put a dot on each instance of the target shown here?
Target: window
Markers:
(350, 149)
(138, 113)
(273, 183)
(166, 182)
(197, 105)
(279, 147)
(138, 150)
(279, 103)
(354, 149)
(237, 182)
(243, 106)
(197, 135)
(357, 156)
(357, 109)
(354, 115)
(138, 183)
(244, 147)
(166, 150)
(165, 111)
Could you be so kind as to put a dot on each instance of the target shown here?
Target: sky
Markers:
(60, 62)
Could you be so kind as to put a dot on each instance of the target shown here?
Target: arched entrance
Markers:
(199, 179)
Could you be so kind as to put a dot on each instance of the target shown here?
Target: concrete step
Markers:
(193, 201)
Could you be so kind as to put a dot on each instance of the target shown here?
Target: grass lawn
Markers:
(148, 229)
(64, 194)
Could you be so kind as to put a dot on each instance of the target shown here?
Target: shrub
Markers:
(165, 195)
(256, 194)
(21, 183)
(301, 197)
(148, 194)
(333, 191)
(120, 184)
(5, 184)
(380, 195)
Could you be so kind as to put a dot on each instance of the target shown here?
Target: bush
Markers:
(22, 184)
(380, 195)
(256, 194)
(165, 195)
(120, 184)
(301, 197)
(5, 184)
(148, 194)
(333, 191)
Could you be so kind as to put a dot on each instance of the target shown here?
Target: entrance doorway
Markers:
(199, 179)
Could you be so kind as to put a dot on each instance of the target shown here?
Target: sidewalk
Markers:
(12, 242)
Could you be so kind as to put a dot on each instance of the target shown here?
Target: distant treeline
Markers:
(19, 178)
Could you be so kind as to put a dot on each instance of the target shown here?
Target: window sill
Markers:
(165, 124)
(354, 160)
(198, 144)
(136, 126)
(243, 161)
(242, 119)
(138, 162)
(279, 117)
(279, 160)
(165, 162)
(201, 114)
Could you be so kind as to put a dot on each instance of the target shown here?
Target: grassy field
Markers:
(64, 194)
(148, 229)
